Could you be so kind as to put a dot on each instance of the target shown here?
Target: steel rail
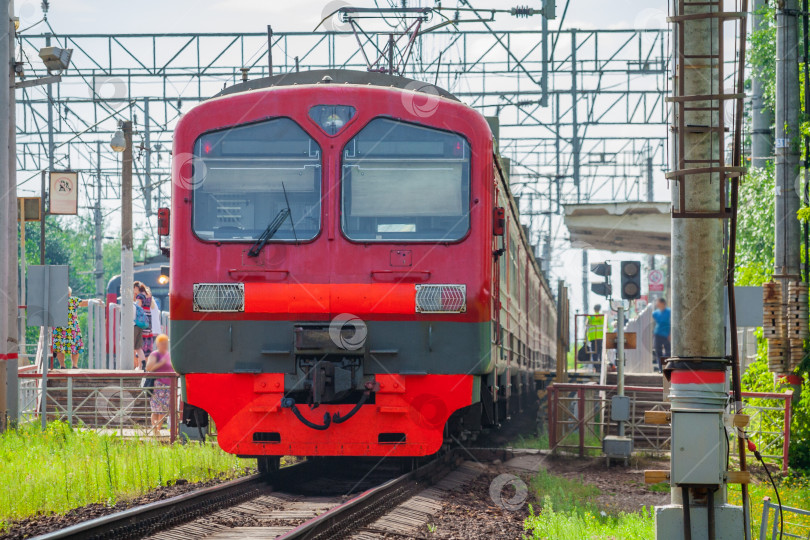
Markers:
(373, 503)
(140, 521)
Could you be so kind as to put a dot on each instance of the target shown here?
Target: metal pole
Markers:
(761, 115)
(45, 333)
(16, 328)
(99, 249)
(8, 249)
(390, 54)
(650, 198)
(147, 152)
(46, 174)
(806, 53)
(127, 337)
(620, 357)
(270, 50)
(787, 234)
(23, 269)
(43, 213)
(575, 160)
(544, 62)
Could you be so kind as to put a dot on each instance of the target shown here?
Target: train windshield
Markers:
(246, 176)
(403, 182)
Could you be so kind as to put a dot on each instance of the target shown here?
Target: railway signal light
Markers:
(631, 279)
(604, 288)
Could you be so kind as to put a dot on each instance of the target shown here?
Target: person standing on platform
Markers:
(595, 332)
(68, 340)
(662, 333)
(160, 362)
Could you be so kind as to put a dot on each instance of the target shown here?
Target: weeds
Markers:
(568, 511)
(63, 468)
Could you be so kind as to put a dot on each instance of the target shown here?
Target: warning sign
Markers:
(64, 195)
(656, 280)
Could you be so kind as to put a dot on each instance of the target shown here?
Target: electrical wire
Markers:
(757, 455)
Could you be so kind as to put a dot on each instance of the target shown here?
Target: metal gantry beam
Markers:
(605, 95)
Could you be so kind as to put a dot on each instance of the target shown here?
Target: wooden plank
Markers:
(629, 340)
(656, 477)
(738, 477)
(657, 417)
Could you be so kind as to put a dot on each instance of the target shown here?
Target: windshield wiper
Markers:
(268, 233)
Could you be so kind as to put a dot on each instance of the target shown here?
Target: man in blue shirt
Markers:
(661, 334)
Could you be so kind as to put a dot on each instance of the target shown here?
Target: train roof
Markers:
(337, 76)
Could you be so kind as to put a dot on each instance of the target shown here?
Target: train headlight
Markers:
(219, 297)
(441, 298)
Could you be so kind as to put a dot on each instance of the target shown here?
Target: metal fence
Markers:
(110, 401)
(792, 528)
(578, 419)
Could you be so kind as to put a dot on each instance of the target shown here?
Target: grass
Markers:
(567, 510)
(62, 468)
(540, 442)
(794, 491)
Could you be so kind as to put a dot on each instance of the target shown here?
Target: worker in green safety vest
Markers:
(595, 332)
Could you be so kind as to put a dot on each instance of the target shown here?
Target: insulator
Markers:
(523, 11)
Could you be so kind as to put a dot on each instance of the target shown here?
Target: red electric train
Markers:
(348, 272)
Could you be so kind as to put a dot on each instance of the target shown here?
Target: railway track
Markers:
(310, 500)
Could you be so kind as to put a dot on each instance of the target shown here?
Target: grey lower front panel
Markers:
(405, 347)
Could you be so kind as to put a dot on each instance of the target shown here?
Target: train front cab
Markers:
(364, 322)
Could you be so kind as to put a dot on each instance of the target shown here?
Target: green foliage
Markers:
(794, 491)
(568, 511)
(550, 524)
(761, 54)
(755, 228)
(64, 468)
(757, 378)
(565, 494)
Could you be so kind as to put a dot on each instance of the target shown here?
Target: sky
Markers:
(154, 16)
(174, 16)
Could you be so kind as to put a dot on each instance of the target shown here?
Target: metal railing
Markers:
(792, 529)
(110, 401)
(576, 414)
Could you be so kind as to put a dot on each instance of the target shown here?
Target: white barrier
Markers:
(96, 330)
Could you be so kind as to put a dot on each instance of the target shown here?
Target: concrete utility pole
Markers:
(788, 138)
(698, 368)
(147, 141)
(8, 223)
(761, 115)
(99, 226)
(575, 157)
(127, 262)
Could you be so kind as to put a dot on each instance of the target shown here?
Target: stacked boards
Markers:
(785, 324)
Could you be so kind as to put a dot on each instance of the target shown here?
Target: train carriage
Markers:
(349, 275)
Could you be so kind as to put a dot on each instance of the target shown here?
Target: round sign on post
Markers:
(64, 193)
(655, 280)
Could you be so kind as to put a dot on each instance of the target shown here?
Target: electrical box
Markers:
(699, 452)
(620, 408)
(614, 446)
